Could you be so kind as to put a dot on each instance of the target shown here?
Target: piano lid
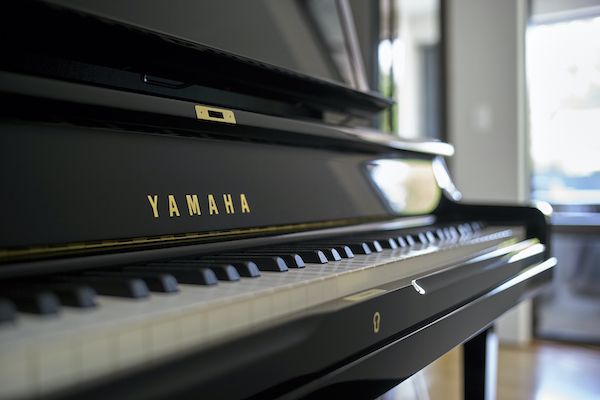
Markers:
(181, 51)
(311, 37)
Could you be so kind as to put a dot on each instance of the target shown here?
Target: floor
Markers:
(542, 371)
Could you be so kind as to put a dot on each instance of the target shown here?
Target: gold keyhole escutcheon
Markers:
(376, 322)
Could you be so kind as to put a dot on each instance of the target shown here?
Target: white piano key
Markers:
(57, 365)
(261, 309)
(17, 379)
(133, 347)
(218, 319)
(194, 328)
(279, 302)
(239, 315)
(166, 336)
(97, 355)
(297, 298)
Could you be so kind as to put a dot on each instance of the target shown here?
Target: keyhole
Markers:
(376, 322)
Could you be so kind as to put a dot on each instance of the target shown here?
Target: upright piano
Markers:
(182, 221)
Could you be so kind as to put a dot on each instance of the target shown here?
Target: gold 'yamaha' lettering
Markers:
(173, 209)
(212, 205)
(153, 199)
(194, 203)
(228, 201)
(244, 203)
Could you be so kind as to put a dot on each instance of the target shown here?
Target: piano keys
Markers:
(197, 316)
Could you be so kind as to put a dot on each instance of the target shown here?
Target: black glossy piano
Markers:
(179, 220)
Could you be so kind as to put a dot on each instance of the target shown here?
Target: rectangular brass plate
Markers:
(215, 114)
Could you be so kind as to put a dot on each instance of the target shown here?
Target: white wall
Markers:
(487, 109)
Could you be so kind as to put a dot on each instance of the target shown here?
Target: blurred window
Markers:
(563, 75)
(410, 67)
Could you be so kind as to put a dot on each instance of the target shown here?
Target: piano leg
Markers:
(480, 361)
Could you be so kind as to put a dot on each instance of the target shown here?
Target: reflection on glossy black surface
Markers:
(407, 186)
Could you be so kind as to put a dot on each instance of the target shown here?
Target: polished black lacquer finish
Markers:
(117, 190)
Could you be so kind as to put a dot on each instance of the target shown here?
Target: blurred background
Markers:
(514, 85)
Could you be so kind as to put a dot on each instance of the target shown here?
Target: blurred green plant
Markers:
(389, 118)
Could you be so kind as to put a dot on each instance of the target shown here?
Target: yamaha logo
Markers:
(194, 205)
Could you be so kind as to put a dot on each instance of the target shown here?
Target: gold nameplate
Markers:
(215, 114)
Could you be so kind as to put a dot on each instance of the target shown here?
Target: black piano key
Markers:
(372, 244)
(192, 276)
(454, 232)
(312, 253)
(8, 311)
(386, 242)
(134, 288)
(401, 241)
(81, 296)
(331, 254)
(224, 272)
(448, 233)
(41, 302)
(69, 294)
(360, 248)
(440, 234)
(375, 246)
(430, 236)
(246, 269)
(423, 238)
(293, 260)
(465, 229)
(313, 256)
(356, 247)
(344, 251)
(410, 240)
(306, 255)
(264, 263)
(310, 256)
(156, 281)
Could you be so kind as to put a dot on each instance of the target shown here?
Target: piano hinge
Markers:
(214, 114)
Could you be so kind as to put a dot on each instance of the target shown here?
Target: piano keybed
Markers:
(67, 328)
